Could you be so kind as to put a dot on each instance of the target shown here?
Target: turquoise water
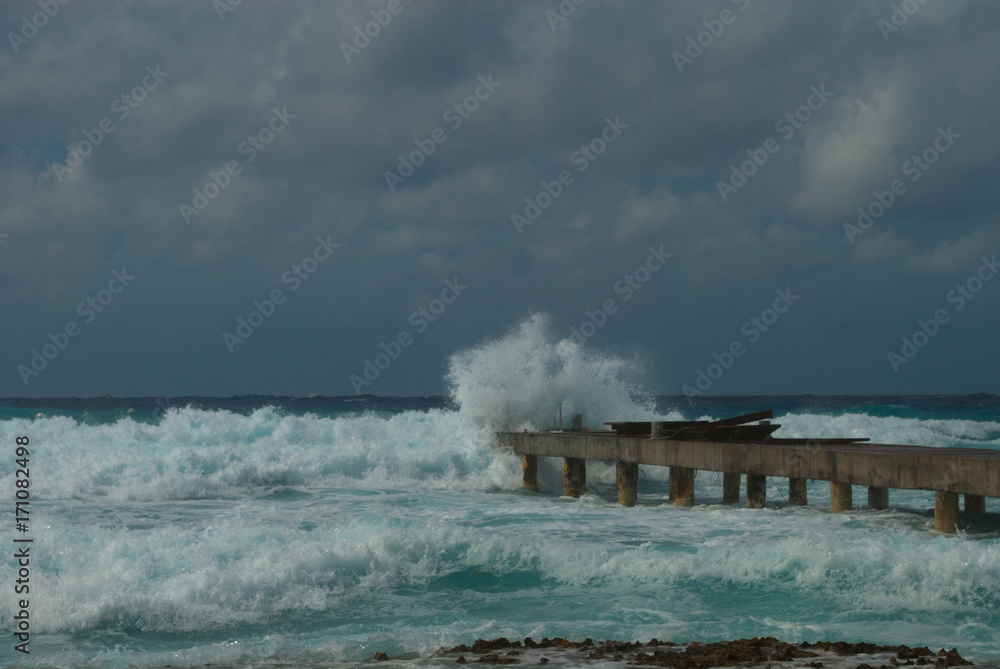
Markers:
(279, 534)
(316, 531)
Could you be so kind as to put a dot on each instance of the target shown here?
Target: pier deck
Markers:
(975, 473)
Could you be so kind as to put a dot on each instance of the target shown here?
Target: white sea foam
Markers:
(893, 430)
(213, 536)
(194, 454)
(525, 378)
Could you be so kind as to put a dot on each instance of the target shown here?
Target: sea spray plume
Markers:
(523, 379)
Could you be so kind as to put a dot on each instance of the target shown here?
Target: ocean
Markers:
(319, 531)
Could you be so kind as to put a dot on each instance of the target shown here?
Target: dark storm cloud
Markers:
(845, 101)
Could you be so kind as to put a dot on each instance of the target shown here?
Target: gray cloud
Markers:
(657, 183)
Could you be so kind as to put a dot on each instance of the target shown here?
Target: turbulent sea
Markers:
(277, 530)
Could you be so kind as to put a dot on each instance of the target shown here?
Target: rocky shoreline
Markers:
(759, 651)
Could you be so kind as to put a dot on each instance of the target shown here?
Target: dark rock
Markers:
(381, 657)
(724, 654)
(482, 646)
(493, 658)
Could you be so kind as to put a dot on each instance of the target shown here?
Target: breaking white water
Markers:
(282, 530)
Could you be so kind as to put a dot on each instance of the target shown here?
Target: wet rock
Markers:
(483, 646)
(724, 654)
(381, 657)
(493, 658)
(759, 651)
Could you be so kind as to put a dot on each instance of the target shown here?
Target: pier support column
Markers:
(878, 498)
(756, 491)
(628, 483)
(797, 492)
(731, 488)
(945, 511)
(840, 497)
(975, 503)
(672, 484)
(531, 473)
(574, 477)
(682, 485)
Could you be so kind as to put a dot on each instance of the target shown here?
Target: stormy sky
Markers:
(750, 196)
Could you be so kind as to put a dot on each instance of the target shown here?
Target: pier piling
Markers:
(683, 477)
(878, 498)
(731, 488)
(975, 503)
(797, 494)
(574, 477)
(627, 477)
(756, 491)
(840, 497)
(945, 511)
(531, 472)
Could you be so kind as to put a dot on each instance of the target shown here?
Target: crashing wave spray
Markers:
(529, 377)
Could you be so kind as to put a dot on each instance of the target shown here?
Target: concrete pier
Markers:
(878, 498)
(949, 472)
(797, 494)
(628, 483)
(756, 491)
(574, 477)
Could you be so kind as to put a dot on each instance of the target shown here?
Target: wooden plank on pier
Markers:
(767, 414)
